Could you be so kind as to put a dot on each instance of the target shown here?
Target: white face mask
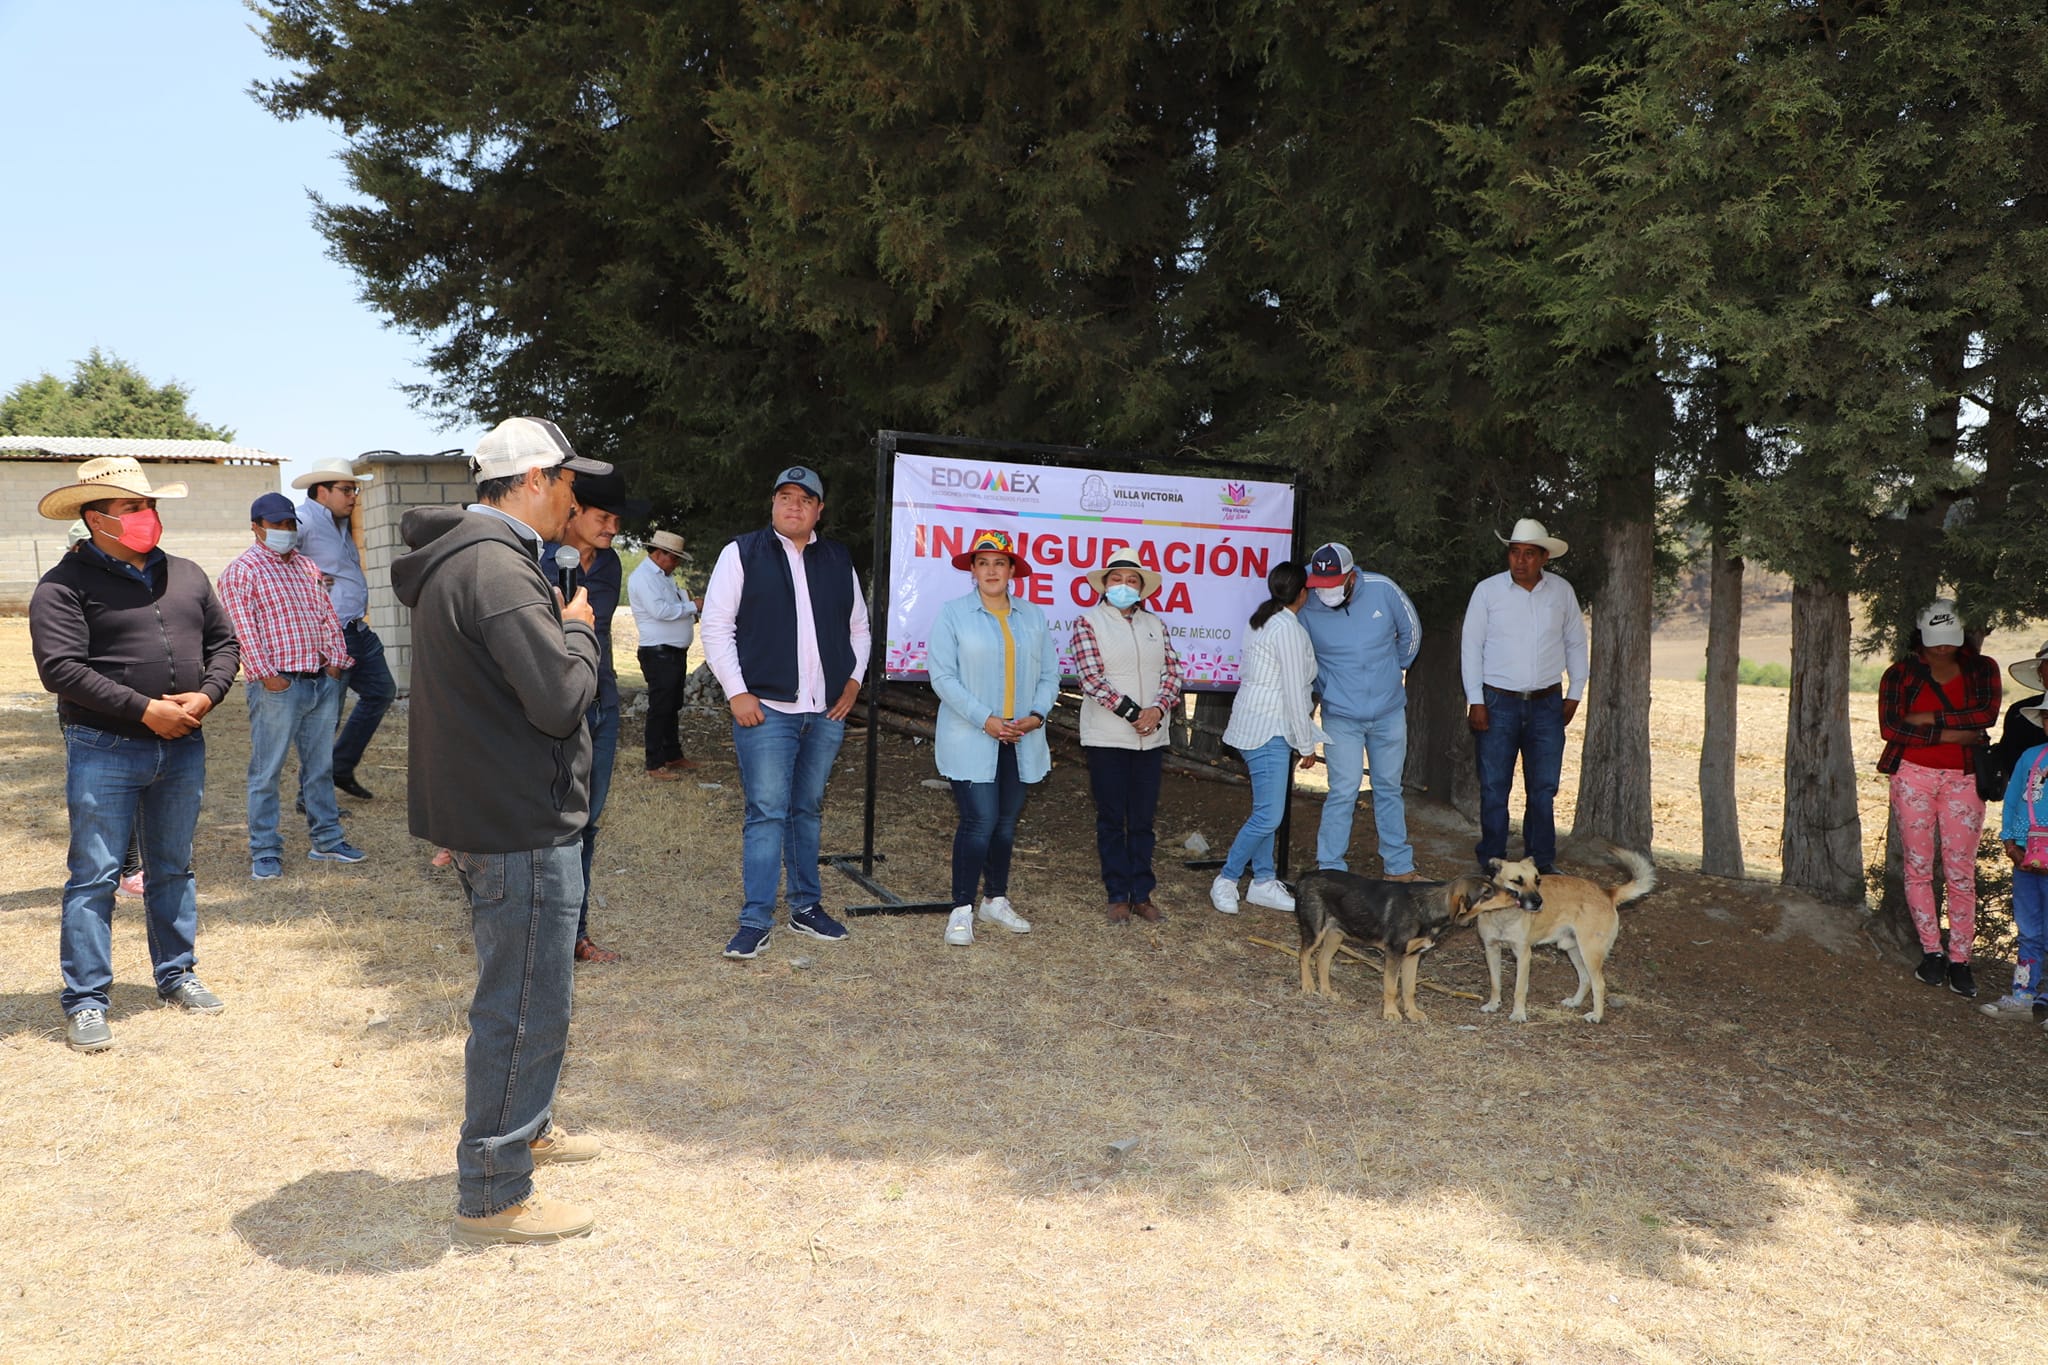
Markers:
(1330, 597)
(284, 542)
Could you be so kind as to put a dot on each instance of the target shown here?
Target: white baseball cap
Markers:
(518, 444)
(1940, 623)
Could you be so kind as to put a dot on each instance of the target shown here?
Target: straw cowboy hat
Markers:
(110, 476)
(332, 471)
(1529, 531)
(1125, 559)
(670, 542)
(996, 543)
(2027, 672)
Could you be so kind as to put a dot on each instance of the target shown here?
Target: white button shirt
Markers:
(1521, 639)
(721, 629)
(663, 614)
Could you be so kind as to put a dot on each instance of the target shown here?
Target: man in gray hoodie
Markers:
(499, 774)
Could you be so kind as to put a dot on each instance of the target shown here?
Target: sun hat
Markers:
(806, 479)
(1328, 565)
(1149, 581)
(1940, 623)
(2027, 672)
(109, 476)
(331, 471)
(518, 444)
(273, 507)
(671, 542)
(1529, 531)
(993, 542)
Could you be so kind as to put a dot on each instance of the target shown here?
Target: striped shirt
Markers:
(282, 614)
(1273, 691)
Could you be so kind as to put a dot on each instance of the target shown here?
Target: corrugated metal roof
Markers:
(93, 447)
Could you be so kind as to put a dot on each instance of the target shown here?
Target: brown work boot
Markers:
(1410, 877)
(1119, 912)
(1147, 911)
(537, 1221)
(559, 1146)
(685, 764)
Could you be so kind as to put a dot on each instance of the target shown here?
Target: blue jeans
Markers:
(1125, 784)
(987, 832)
(1385, 741)
(300, 717)
(2030, 917)
(114, 785)
(784, 764)
(603, 721)
(1532, 729)
(522, 909)
(370, 679)
(1270, 766)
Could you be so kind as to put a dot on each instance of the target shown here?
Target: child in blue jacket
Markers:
(2026, 813)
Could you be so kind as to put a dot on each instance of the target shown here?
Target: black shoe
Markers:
(2040, 1010)
(1932, 969)
(1546, 869)
(352, 787)
(1961, 981)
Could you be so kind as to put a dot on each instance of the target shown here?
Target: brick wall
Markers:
(402, 483)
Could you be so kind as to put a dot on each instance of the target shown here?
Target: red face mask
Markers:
(140, 531)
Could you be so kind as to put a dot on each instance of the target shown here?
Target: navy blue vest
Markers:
(765, 626)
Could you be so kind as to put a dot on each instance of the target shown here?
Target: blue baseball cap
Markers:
(273, 507)
(1328, 565)
(806, 479)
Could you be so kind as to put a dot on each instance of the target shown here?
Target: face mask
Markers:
(140, 531)
(1330, 597)
(284, 542)
(1123, 596)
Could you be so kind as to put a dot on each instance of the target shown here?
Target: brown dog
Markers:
(1402, 919)
(1582, 917)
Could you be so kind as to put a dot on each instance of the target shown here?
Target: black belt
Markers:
(362, 621)
(673, 649)
(295, 673)
(1549, 691)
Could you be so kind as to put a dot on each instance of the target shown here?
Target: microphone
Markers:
(566, 563)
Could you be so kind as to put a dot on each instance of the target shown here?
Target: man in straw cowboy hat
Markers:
(667, 620)
(786, 633)
(1522, 630)
(327, 525)
(137, 649)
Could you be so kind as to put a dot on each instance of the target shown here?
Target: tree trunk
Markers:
(1440, 763)
(1893, 923)
(1720, 830)
(1615, 804)
(1821, 845)
(1201, 736)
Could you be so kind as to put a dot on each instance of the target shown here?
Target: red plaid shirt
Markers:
(1095, 680)
(1899, 695)
(281, 614)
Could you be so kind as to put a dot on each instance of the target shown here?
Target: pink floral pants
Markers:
(1940, 805)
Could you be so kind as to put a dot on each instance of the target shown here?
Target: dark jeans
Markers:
(988, 829)
(603, 721)
(522, 911)
(1532, 729)
(1126, 787)
(370, 679)
(666, 668)
(115, 786)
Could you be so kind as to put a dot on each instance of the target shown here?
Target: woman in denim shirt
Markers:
(992, 665)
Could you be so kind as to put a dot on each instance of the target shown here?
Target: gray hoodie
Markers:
(499, 757)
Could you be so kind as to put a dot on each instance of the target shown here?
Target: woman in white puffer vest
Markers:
(1131, 677)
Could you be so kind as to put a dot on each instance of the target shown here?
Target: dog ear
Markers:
(1493, 866)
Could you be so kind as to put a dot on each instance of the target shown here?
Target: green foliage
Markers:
(105, 396)
(1863, 677)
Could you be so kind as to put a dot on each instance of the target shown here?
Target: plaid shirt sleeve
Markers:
(1088, 666)
(1170, 679)
(281, 615)
(1899, 687)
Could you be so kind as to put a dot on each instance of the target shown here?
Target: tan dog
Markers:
(1401, 919)
(1580, 916)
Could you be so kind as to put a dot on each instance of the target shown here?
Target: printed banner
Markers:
(1212, 540)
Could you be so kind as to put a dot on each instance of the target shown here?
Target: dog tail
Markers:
(1642, 875)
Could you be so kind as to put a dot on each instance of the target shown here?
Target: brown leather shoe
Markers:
(588, 951)
(536, 1221)
(564, 1148)
(1119, 912)
(681, 763)
(1148, 912)
(1410, 877)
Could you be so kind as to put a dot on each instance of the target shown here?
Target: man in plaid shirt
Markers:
(294, 656)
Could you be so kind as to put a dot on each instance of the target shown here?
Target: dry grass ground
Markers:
(890, 1150)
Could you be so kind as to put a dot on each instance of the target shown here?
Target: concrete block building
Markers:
(210, 526)
(403, 482)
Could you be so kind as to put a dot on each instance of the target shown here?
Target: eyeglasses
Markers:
(347, 490)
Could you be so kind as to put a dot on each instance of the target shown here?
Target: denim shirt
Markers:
(966, 661)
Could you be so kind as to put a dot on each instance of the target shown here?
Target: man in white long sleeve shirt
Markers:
(1522, 631)
(667, 620)
(786, 633)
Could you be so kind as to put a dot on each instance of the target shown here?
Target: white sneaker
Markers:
(1223, 895)
(1272, 895)
(996, 910)
(2012, 1002)
(960, 926)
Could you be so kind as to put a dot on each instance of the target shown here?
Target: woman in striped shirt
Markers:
(993, 666)
(1270, 721)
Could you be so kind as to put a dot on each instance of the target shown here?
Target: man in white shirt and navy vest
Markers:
(785, 631)
(1522, 631)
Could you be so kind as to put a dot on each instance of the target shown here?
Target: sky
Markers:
(150, 207)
